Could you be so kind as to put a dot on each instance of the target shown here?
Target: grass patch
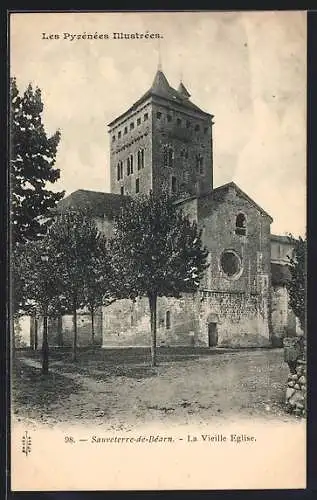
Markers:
(32, 391)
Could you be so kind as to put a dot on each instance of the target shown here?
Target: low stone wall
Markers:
(296, 390)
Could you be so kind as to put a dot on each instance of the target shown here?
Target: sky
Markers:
(248, 69)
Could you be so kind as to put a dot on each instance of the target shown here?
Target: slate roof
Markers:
(94, 203)
(280, 273)
(183, 90)
(161, 88)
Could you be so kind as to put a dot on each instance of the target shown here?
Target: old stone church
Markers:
(165, 140)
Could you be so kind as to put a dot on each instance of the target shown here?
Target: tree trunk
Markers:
(92, 314)
(74, 354)
(153, 303)
(60, 330)
(45, 348)
(36, 338)
(32, 325)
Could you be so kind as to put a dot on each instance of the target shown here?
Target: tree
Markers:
(32, 159)
(41, 285)
(157, 252)
(100, 281)
(77, 243)
(297, 283)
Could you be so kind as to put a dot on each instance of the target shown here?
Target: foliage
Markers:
(100, 282)
(39, 282)
(82, 261)
(32, 159)
(297, 284)
(157, 252)
(36, 278)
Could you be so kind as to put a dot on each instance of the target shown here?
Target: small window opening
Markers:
(174, 184)
(168, 320)
(241, 226)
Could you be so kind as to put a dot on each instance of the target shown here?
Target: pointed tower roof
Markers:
(183, 91)
(160, 84)
(161, 88)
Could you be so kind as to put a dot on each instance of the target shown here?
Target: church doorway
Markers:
(212, 334)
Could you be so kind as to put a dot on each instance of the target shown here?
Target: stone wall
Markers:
(60, 330)
(127, 323)
(189, 134)
(283, 319)
(297, 389)
(238, 317)
(129, 143)
(186, 321)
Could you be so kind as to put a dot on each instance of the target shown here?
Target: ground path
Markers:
(120, 390)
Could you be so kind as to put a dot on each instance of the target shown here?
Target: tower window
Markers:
(168, 156)
(131, 126)
(119, 134)
(146, 116)
(119, 171)
(137, 185)
(113, 138)
(168, 320)
(174, 184)
(241, 225)
(197, 128)
(199, 164)
(140, 159)
(122, 190)
(158, 115)
(179, 122)
(125, 130)
(130, 165)
(169, 118)
(138, 122)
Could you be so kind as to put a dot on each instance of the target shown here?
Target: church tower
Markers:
(163, 141)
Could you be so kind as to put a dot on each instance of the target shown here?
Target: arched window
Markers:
(241, 225)
(168, 320)
(140, 159)
(131, 164)
(119, 171)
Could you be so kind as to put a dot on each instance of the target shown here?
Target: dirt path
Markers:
(195, 390)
